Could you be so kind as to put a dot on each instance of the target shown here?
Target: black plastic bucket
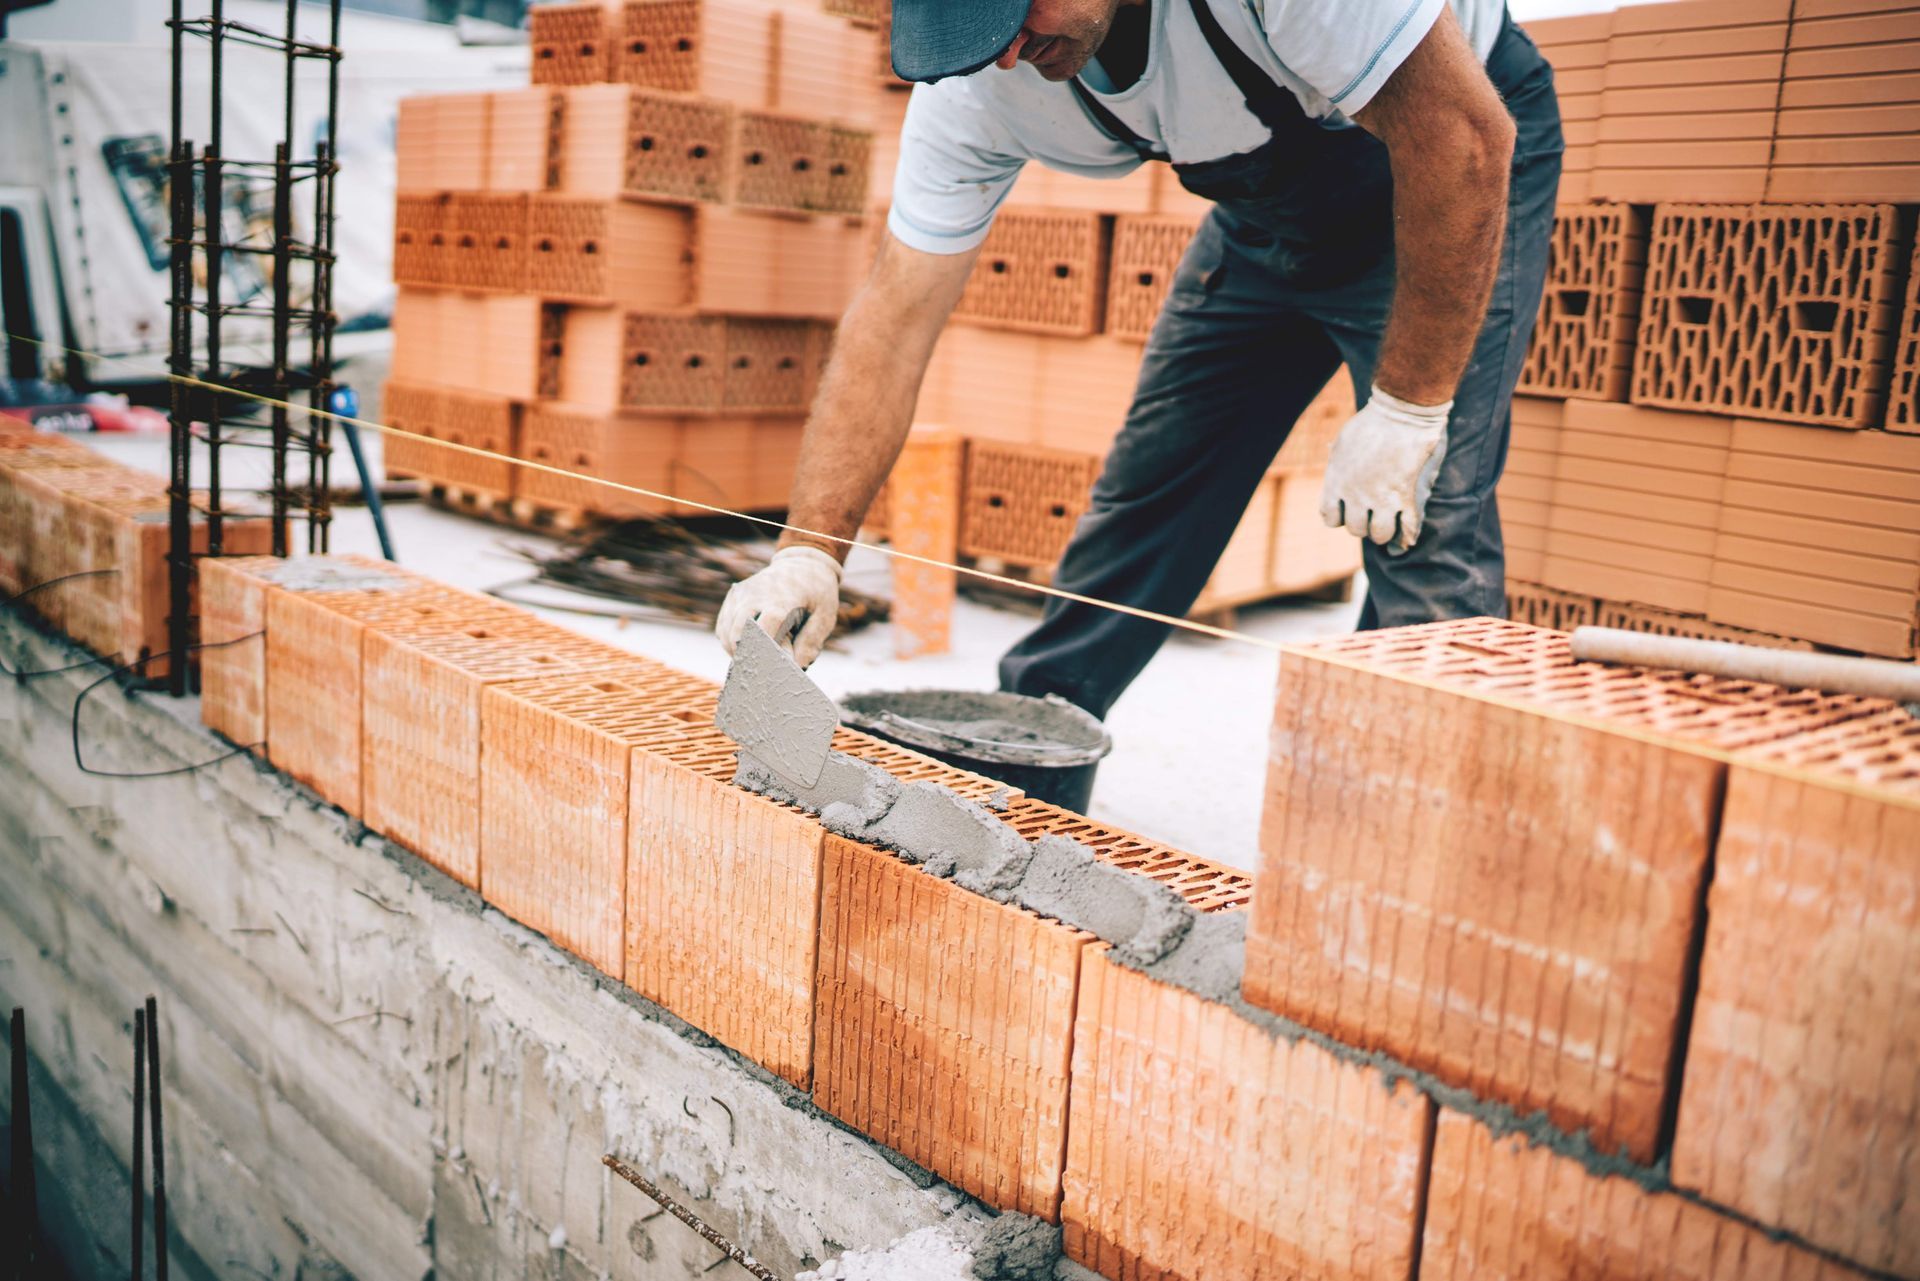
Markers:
(1045, 747)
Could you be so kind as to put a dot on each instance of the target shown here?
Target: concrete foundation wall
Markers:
(367, 1071)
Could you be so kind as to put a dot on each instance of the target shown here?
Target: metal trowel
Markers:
(771, 708)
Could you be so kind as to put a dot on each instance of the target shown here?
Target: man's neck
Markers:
(1123, 54)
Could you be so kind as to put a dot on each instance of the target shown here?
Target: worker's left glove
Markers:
(1382, 470)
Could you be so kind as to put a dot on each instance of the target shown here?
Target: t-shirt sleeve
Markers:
(958, 161)
(1347, 49)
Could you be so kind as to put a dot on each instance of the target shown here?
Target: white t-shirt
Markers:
(966, 138)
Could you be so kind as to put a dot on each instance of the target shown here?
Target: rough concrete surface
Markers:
(772, 710)
(367, 1070)
(1009, 1247)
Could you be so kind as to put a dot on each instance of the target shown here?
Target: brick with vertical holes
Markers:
(1798, 1107)
(1783, 312)
(1202, 1147)
(572, 43)
(1020, 503)
(1146, 251)
(1514, 906)
(1503, 1209)
(1583, 342)
(555, 772)
(925, 523)
(420, 737)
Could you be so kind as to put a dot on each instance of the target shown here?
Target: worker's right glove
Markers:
(798, 580)
(1382, 470)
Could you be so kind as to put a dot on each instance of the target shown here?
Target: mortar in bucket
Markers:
(1045, 747)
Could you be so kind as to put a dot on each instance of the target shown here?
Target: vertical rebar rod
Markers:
(320, 528)
(139, 1248)
(216, 238)
(180, 422)
(20, 1186)
(159, 1143)
(282, 301)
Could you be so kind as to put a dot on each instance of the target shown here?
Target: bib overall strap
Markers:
(1273, 105)
(1113, 126)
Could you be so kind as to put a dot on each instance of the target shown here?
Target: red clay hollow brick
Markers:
(555, 774)
(944, 1026)
(925, 523)
(1799, 1104)
(233, 668)
(1204, 1148)
(1146, 252)
(572, 43)
(1515, 909)
(1019, 503)
(1583, 343)
(1783, 312)
(1903, 413)
(1502, 1209)
(723, 901)
(1041, 271)
(421, 727)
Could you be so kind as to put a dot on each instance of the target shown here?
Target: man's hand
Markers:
(798, 580)
(1382, 470)
(860, 418)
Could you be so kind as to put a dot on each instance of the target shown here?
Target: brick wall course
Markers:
(555, 775)
(944, 1026)
(1466, 953)
(1203, 1146)
(1798, 1104)
(1501, 1210)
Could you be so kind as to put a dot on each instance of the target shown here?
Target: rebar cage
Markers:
(219, 395)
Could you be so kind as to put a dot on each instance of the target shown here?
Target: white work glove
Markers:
(798, 580)
(1382, 470)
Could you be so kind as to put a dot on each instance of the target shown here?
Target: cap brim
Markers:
(934, 39)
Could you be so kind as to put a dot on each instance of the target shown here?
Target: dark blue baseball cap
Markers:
(934, 39)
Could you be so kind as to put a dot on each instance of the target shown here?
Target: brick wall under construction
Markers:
(1569, 1003)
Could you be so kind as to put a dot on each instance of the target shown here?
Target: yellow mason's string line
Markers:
(1166, 620)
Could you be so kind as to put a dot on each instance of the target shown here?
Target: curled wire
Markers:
(79, 702)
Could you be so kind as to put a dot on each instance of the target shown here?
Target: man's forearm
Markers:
(1450, 220)
(1451, 143)
(864, 405)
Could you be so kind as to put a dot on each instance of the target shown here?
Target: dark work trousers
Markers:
(1234, 359)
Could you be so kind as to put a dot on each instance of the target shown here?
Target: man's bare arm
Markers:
(865, 403)
(1451, 140)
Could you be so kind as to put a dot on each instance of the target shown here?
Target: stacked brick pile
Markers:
(84, 542)
(1715, 431)
(631, 269)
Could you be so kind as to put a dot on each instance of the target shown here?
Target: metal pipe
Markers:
(1794, 669)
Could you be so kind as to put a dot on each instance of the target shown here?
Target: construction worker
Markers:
(1383, 175)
